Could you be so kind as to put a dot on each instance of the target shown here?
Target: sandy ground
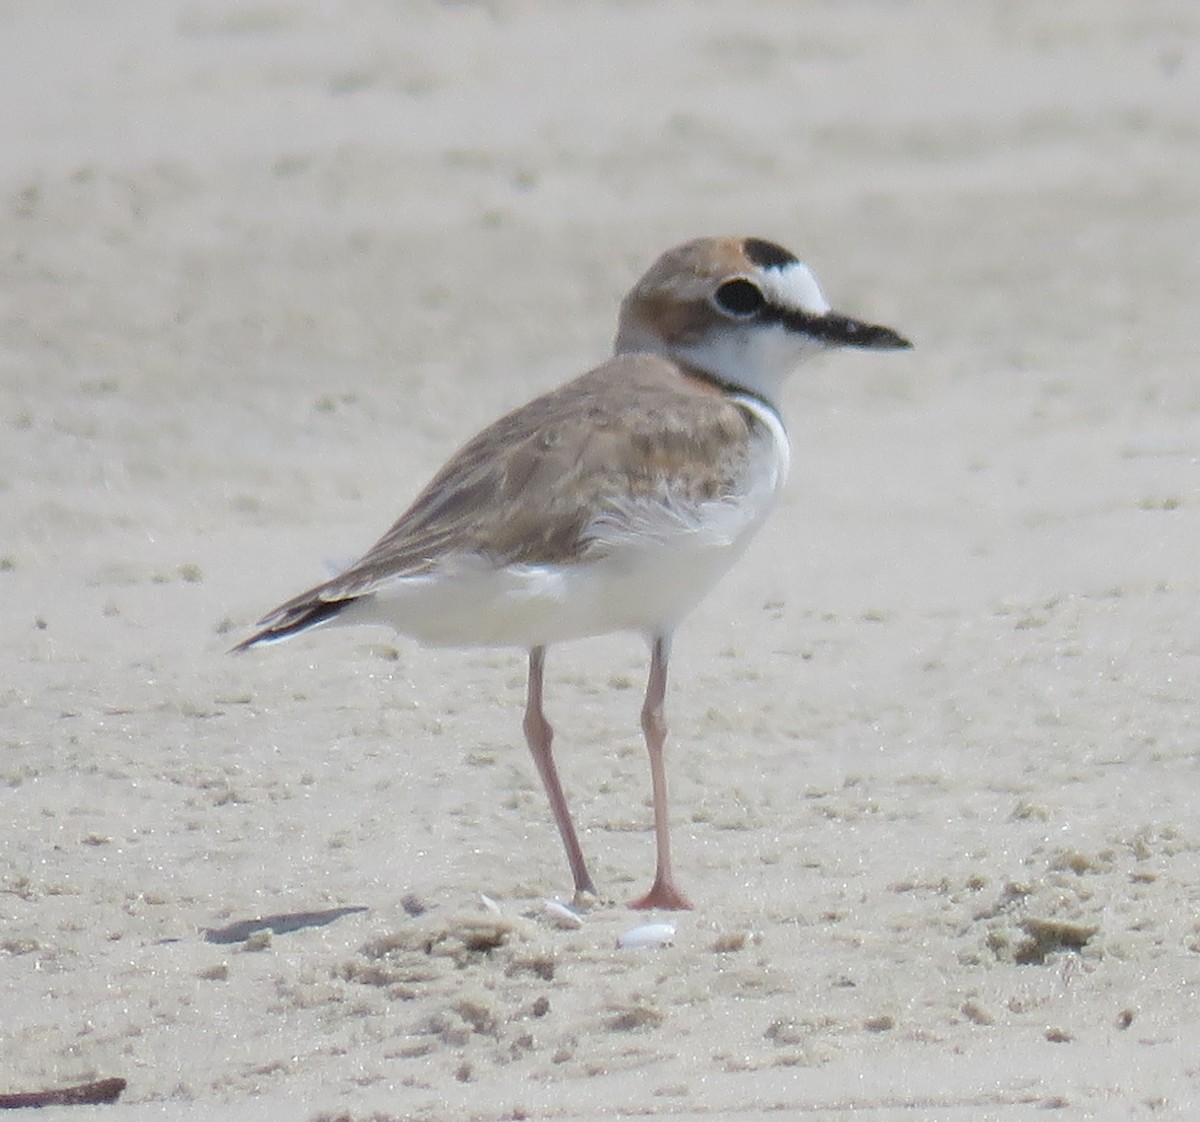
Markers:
(935, 745)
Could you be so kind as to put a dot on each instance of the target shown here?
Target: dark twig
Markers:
(82, 1094)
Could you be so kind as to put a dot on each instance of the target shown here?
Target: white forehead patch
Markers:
(794, 286)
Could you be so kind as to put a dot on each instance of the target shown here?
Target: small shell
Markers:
(562, 917)
(648, 935)
(490, 905)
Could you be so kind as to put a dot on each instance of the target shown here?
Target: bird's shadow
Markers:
(283, 924)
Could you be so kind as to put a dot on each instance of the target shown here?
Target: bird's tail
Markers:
(293, 617)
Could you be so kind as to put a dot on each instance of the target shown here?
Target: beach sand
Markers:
(934, 749)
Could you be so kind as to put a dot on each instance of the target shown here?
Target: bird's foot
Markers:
(663, 894)
(585, 899)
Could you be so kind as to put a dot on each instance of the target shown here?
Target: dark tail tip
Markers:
(292, 621)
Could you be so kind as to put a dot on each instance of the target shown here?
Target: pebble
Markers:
(647, 935)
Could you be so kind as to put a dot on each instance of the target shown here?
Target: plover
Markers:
(612, 503)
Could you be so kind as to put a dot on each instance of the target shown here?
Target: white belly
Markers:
(530, 605)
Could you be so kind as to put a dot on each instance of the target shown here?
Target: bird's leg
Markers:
(539, 735)
(663, 892)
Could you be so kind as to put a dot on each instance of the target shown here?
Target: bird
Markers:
(612, 503)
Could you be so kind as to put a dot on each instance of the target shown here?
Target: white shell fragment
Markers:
(647, 935)
(561, 916)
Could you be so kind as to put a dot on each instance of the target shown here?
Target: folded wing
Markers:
(534, 487)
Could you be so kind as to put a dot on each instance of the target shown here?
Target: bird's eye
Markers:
(739, 298)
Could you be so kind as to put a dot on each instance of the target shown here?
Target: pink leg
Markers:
(663, 892)
(539, 735)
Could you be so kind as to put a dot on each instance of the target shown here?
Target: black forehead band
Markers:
(767, 255)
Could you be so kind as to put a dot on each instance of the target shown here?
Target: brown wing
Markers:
(527, 487)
